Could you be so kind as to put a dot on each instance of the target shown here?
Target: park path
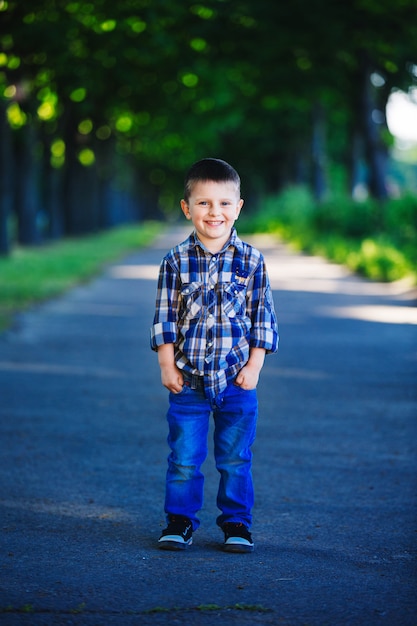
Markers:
(83, 457)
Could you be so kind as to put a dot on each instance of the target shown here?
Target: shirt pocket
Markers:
(192, 300)
(234, 300)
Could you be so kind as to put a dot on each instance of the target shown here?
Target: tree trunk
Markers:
(26, 187)
(356, 166)
(106, 158)
(6, 185)
(51, 192)
(375, 151)
(83, 200)
(80, 187)
(318, 152)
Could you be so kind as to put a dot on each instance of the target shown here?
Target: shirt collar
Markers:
(232, 241)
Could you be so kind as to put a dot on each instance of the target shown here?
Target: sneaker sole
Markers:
(237, 547)
(174, 546)
(237, 544)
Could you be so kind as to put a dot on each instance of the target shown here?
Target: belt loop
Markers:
(193, 381)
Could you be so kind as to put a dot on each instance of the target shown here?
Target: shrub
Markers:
(400, 220)
(378, 240)
(348, 218)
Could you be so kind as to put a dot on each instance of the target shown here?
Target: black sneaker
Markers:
(237, 537)
(177, 535)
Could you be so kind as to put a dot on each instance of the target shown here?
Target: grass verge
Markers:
(32, 275)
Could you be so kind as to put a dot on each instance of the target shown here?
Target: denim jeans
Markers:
(235, 414)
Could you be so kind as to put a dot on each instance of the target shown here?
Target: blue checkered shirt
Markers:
(214, 308)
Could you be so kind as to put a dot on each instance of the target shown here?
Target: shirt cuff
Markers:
(265, 338)
(163, 332)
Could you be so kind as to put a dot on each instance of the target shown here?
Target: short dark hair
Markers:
(210, 169)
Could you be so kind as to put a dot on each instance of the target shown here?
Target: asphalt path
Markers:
(83, 458)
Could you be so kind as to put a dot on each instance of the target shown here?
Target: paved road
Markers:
(83, 457)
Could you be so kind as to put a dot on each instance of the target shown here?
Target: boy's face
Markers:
(213, 208)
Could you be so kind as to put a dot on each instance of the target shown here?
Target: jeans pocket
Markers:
(183, 391)
(241, 389)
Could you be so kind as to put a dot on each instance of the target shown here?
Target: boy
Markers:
(213, 325)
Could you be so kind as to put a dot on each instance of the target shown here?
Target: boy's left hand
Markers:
(247, 378)
(249, 374)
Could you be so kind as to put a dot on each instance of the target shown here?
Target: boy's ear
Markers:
(185, 209)
(239, 206)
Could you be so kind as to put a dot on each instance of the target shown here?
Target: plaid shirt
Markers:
(214, 308)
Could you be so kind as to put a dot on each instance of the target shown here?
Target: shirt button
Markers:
(210, 314)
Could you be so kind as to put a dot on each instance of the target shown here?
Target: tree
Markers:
(113, 101)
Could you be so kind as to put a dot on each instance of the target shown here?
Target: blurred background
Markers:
(104, 105)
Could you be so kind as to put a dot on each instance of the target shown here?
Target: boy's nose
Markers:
(214, 209)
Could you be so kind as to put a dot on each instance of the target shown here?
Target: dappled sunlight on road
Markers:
(314, 274)
(135, 272)
(100, 309)
(290, 271)
(374, 313)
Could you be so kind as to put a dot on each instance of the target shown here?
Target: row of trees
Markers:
(104, 105)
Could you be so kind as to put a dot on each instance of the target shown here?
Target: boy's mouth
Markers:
(214, 223)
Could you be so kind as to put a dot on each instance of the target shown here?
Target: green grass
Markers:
(32, 275)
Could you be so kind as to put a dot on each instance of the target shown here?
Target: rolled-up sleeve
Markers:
(164, 328)
(260, 309)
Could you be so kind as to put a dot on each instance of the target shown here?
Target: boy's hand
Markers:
(248, 376)
(172, 378)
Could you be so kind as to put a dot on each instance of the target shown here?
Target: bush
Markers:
(378, 240)
(400, 220)
(348, 218)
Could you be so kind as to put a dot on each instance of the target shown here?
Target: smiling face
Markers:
(213, 208)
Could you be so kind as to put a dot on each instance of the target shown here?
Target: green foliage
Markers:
(377, 240)
(117, 99)
(32, 275)
(351, 219)
(376, 258)
(379, 259)
(168, 87)
(400, 218)
(295, 204)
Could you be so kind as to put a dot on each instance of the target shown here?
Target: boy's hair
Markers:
(209, 169)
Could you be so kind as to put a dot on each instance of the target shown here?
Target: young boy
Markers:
(213, 325)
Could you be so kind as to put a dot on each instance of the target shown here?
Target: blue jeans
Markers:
(235, 414)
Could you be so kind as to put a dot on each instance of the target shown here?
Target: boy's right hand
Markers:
(172, 379)
(171, 376)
